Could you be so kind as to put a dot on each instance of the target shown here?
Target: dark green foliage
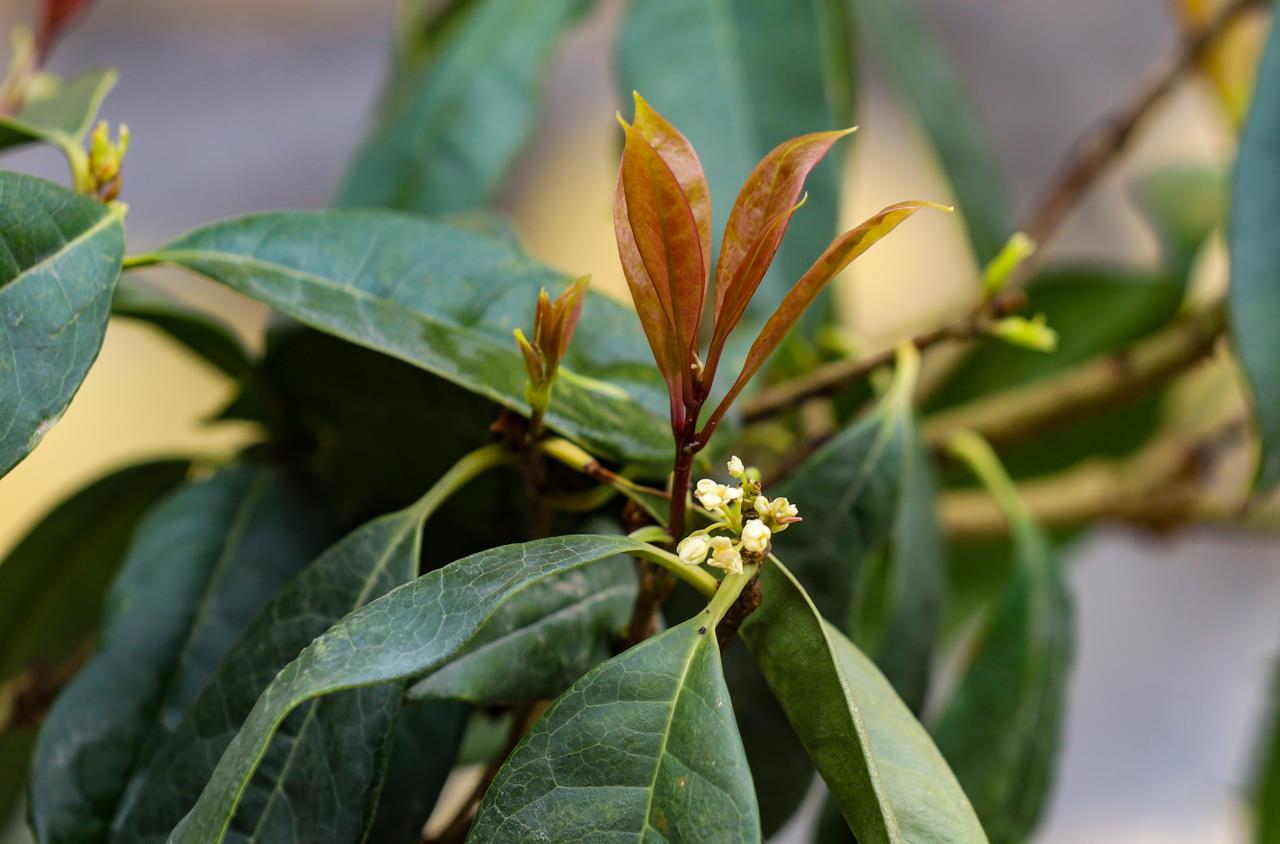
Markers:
(199, 567)
(645, 747)
(58, 268)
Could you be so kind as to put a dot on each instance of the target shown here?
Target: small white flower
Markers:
(761, 506)
(692, 550)
(710, 494)
(724, 555)
(782, 513)
(755, 536)
(736, 469)
(732, 493)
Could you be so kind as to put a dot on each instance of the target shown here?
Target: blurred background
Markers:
(243, 105)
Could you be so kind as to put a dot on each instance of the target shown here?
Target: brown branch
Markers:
(1160, 488)
(831, 377)
(1109, 380)
(1089, 157)
(1102, 143)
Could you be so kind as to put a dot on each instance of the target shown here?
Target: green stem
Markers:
(730, 588)
(974, 451)
(696, 576)
(146, 259)
(469, 467)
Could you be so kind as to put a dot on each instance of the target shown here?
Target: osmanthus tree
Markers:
(469, 542)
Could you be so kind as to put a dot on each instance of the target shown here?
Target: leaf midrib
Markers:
(697, 642)
(109, 217)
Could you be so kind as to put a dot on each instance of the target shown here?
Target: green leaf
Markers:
(449, 137)
(446, 300)
(1184, 205)
(1001, 728)
(740, 77)
(61, 114)
(58, 268)
(204, 335)
(16, 746)
(921, 72)
(404, 635)
(1095, 310)
(870, 549)
(53, 582)
(426, 747)
(365, 565)
(882, 768)
(643, 748)
(348, 411)
(200, 565)
(1254, 292)
(535, 646)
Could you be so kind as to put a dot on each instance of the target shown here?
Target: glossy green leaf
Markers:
(643, 748)
(348, 411)
(1095, 310)
(404, 635)
(881, 767)
(341, 738)
(53, 583)
(1001, 728)
(870, 549)
(921, 72)
(60, 114)
(58, 268)
(200, 565)
(452, 130)
(446, 300)
(740, 77)
(201, 333)
(1184, 205)
(1254, 292)
(424, 752)
(534, 647)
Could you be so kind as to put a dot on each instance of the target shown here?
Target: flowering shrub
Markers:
(467, 545)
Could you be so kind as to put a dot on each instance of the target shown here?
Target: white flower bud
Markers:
(761, 505)
(782, 513)
(755, 536)
(710, 494)
(736, 469)
(724, 555)
(692, 550)
(732, 493)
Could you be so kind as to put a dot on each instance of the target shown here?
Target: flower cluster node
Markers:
(749, 521)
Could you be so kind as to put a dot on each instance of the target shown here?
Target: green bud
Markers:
(1029, 334)
(996, 274)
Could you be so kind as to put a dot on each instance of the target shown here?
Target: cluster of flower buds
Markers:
(554, 323)
(747, 517)
(105, 158)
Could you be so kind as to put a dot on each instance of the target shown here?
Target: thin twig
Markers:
(1089, 157)
(1106, 381)
(1159, 488)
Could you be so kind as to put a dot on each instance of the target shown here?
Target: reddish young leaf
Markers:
(759, 220)
(653, 317)
(838, 255)
(680, 156)
(55, 16)
(666, 236)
